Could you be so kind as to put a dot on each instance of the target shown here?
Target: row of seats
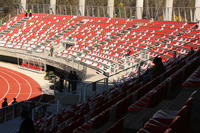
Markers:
(34, 67)
(123, 100)
(193, 80)
(169, 121)
(38, 33)
(155, 94)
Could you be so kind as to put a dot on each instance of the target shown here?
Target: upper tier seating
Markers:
(101, 43)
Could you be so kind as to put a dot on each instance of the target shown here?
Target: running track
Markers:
(15, 84)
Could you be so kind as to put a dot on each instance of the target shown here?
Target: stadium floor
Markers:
(18, 85)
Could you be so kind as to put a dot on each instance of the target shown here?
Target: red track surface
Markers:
(15, 84)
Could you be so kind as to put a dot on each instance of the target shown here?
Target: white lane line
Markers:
(19, 86)
(7, 88)
(23, 79)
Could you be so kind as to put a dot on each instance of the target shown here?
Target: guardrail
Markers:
(36, 110)
(61, 63)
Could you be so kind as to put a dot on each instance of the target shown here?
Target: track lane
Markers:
(22, 86)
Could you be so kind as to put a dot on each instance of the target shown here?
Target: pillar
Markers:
(139, 9)
(53, 6)
(23, 4)
(82, 7)
(197, 10)
(168, 10)
(110, 8)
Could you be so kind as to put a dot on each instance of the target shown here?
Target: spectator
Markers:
(128, 52)
(70, 78)
(191, 51)
(5, 103)
(158, 67)
(30, 13)
(61, 80)
(197, 26)
(26, 13)
(74, 81)
(14, 101)
(51, 51)
(151, 20)
(27, 125)
(131, 52)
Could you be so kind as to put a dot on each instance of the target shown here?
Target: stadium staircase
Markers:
(59, 48)
(17, 23)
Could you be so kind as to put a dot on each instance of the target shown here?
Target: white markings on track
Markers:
(7, 89)
(19, 86)
(21, 78)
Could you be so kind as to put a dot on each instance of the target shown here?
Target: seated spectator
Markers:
(5, 103)
(158, 67)
(151, 20)
(191, 51)
(129, 52)
(197, 25)
(27, 125)
(14, 101)
(74, 81)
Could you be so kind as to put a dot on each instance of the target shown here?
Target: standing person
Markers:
(5, 103)
(74, 83)
(70, 78)
(26, 13)
(30, 13)
(14, 101)
(27, 125)
(61, 82)
(51, 51)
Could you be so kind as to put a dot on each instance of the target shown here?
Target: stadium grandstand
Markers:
(100, 66)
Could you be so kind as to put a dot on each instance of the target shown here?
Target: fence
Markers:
(36, 110)
(180, 14)
(58, 62)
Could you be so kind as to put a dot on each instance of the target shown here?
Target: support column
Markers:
(110, 8)
(197, 11)
(139, 9)
(168, 10)
(53, 6)
(82, 7)
(23, 4)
